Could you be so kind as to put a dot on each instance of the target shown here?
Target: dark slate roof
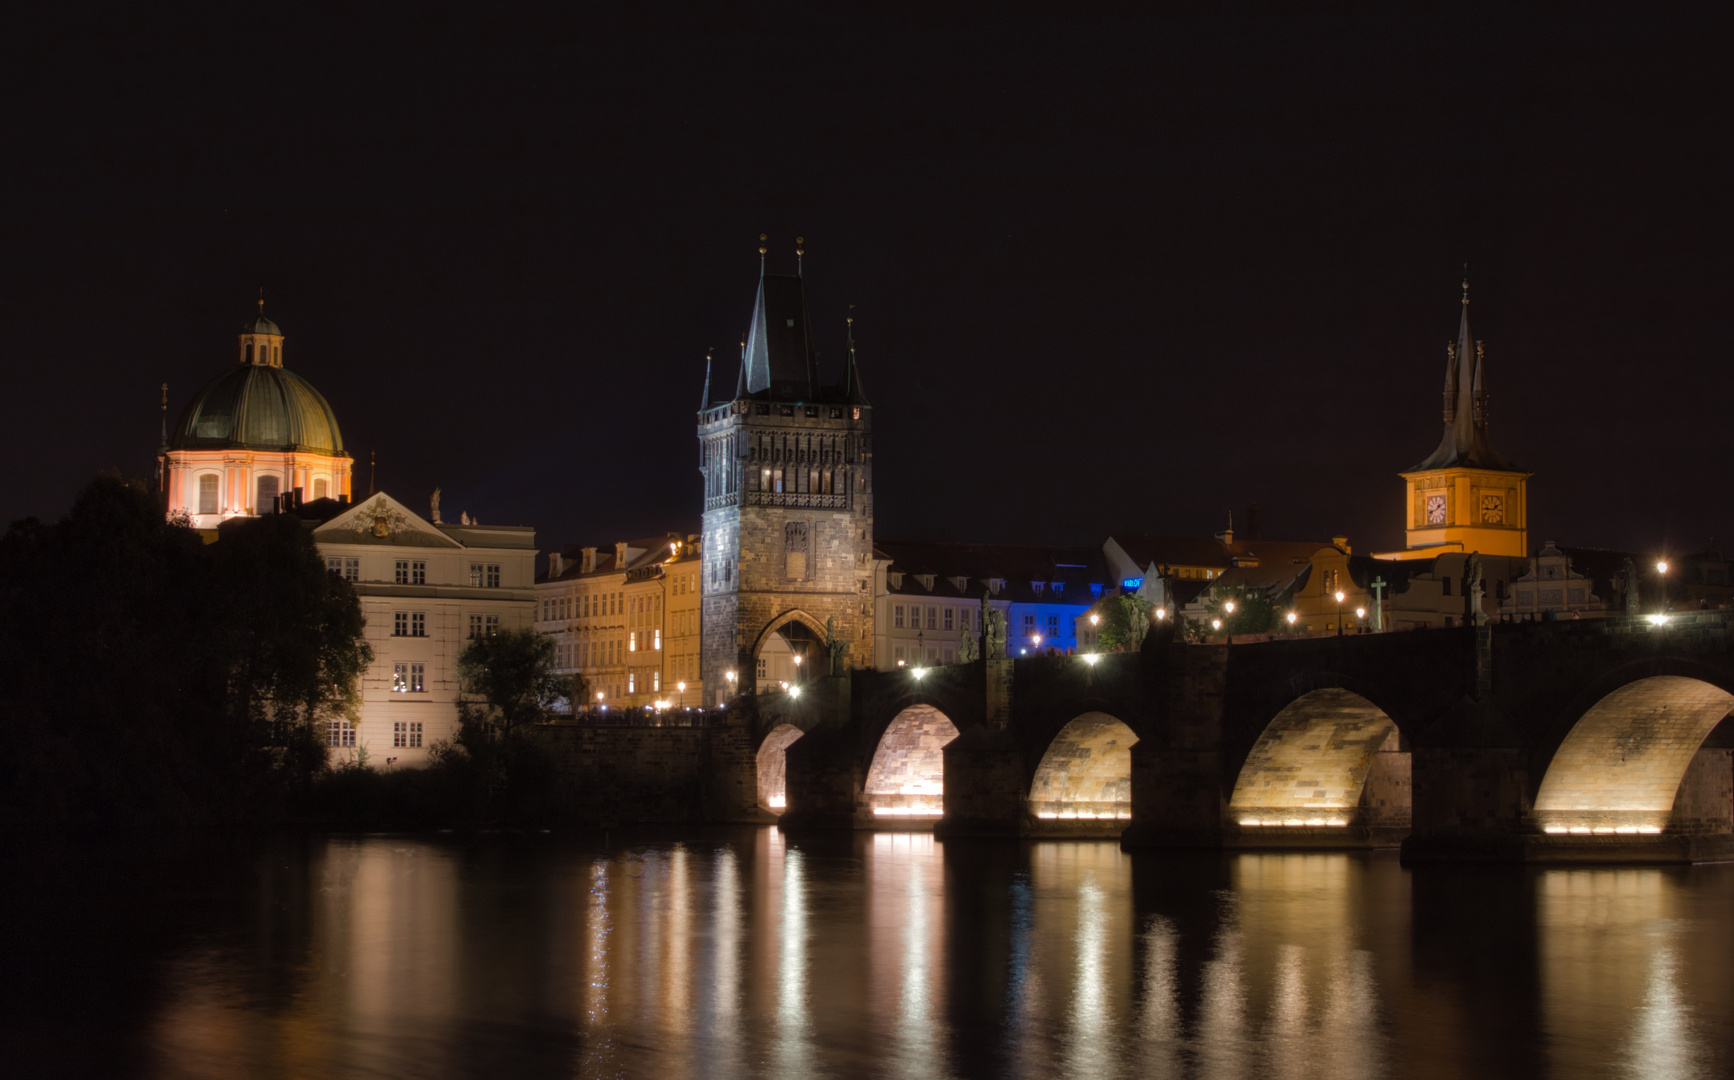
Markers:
(1076, 569)
(780, 344)
(1174, 550)
(1465, 440)
(258, 407)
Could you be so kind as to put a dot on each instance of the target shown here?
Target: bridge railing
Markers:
(645, 717)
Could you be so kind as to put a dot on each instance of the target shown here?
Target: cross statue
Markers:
(1379, 586)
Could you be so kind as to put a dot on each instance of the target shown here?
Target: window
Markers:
(485, 575)
(340, 733)
(400, 624)
(1053, 626)
(656, 680)
(933, 618)
(406, 734)
(493, 625)
(898, 653)
(208, 494)
(266, 503)
(897, 616)
(632, 682)
(319, 492)
(764, 668)
(777, 480)
(401, 572)
(408, 678)
(812, 412)
(632, 641)
(347, 569)
(475, 627)
(658, 636)
(417, 573)
(948, 617)
(1029, 625)
(409, 624)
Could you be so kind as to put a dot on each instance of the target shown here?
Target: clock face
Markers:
(1492, 509)
(1435, 509)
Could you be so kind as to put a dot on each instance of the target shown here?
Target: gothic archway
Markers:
(791, 635)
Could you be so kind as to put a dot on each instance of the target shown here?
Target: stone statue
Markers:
(1629, 587)
(1137, 620)
(994, 640)
(1472, 613)
(464, 518)
(966, 647)
(434, 502)
(835, 646)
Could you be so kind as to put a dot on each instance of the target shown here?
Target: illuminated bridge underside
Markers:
(1086, 772)
(1311, 763)
(773, 767)
(1620, 767)
(907, 777)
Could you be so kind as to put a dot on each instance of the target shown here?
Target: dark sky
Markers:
(1113, 274)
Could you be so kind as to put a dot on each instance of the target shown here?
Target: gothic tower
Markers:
(787, 463)
(1466, 496)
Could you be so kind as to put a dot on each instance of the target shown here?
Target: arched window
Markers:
(208, 493)
(266, 503)
(319, 489)
(247, 352)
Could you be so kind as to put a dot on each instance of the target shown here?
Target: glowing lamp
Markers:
(1228, 606)
(1291, 618)
(1216, 624)
(1339, 596)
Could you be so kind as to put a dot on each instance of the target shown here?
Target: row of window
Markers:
(266, 490)
(581, 606)
(412, 571)
(414, 624)
(405, 734)
(952, 618)
(1033, 627)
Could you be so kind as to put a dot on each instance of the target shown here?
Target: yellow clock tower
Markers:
(1465, 496)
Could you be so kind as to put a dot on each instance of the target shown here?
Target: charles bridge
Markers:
(1592, 740)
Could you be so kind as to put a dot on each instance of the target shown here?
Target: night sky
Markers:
(1112, 274)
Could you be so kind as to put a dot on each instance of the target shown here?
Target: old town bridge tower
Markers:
(787, 462)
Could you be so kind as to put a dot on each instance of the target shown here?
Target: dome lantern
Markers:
(261, 340)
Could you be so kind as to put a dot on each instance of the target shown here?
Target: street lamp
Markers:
(1339, 596)
(1360, 614)
(1291, 619)
(1662, 583)
(681, 686)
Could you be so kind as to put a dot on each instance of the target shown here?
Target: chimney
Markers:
(620, 555)
(587, 561)
(555, 564)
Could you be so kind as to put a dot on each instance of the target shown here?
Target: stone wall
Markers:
(1705, 801)
(620, 775)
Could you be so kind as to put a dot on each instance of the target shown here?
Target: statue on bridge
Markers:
(1472, 613)
(967, 649)
(836, 647)
(993, 628)
(1629, 586)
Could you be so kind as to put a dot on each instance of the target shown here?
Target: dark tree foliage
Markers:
(150, 679)
(1253, 611)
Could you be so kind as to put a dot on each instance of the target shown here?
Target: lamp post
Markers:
(1662, 584)
(681, 701)
(1339, 596)
(798, 659)
(730, 677)
(1360, 615)
(1291, 619)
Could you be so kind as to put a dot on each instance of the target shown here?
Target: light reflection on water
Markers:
(746, 954)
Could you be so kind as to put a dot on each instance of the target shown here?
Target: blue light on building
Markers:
(1131, 583)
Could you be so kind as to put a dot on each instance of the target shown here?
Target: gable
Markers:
(382, 521)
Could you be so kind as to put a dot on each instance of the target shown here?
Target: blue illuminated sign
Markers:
(1131, 583)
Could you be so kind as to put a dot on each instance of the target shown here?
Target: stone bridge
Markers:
(1594, 740)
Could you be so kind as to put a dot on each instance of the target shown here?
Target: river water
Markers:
(745, 954)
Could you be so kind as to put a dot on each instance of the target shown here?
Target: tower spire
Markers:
(762, 249)
(704, 399)
(800, 254)
(163, 443)
(741, 383)
(851, 371)
(1465, 441)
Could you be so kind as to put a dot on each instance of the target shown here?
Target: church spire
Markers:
(1465, 441)
(704, 399)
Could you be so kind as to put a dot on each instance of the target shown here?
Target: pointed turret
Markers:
(852, 391)
(704, 399)
(1465, 440)
(780, 345)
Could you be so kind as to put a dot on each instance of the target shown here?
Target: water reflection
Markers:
(747, 954)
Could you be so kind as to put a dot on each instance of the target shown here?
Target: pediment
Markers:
(383, 521)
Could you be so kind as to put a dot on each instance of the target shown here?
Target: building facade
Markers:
(786, 462)
(627, 622)
(427, 589)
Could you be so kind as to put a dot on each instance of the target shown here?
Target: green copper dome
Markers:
(259, 324)
(258, 407)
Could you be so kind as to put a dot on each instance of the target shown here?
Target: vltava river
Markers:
(745, 954)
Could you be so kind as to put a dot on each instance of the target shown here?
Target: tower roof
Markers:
(780, 345)
(1465, 442)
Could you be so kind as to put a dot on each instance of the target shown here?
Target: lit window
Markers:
(408, 678)
(632, 682)
(658, 636)
(632, 642)
(656, 680)
(406, 734)
(208, 494)
(319, 489)
(485, 575)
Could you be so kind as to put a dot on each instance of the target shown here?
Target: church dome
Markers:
(258, 407)
(259, 324)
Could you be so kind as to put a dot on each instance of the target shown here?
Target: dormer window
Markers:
(1038, 587)
(896, 579)
(926, 581)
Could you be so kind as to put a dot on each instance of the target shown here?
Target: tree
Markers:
(1125, 621)
(512, 673)
(1253, 612)
(149, 678)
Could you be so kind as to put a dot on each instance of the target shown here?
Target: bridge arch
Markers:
(906, 777)
(1621, 763)
(1312, 763)
(772, 767)
(1086, 772)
